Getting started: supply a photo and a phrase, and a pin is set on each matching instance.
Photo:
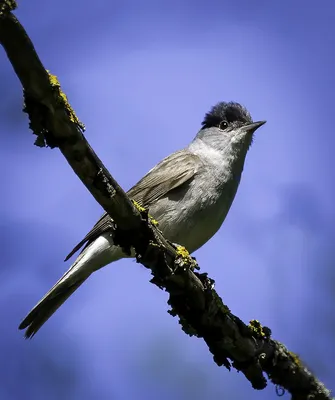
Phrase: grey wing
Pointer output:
(167, 175)
(172, 172)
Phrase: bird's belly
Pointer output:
(192, 221)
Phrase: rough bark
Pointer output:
(192, 297)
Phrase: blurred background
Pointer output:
(141, 76)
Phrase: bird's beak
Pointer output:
(251, 128)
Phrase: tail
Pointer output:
(50, 303)
(95, 256)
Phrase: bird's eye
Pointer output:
(223, 125)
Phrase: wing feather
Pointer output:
(172, 172)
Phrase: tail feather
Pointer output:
(50, 303)
(43, 311)
(96, 255)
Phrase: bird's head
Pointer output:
(228, 127)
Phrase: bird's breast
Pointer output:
(191, 215)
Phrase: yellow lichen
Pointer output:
(184, 258)
(142, 209)
(296, 359)
(153, 221)
(72, 115)
(256, 327)
(182, 252)
(139, 207)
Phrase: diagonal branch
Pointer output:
(201, 312)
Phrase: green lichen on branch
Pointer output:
(64, 101)
(182, 252)
(257, 328)
(39, 114)
(184, 259)
(139, 207)
(7, 6)
(296, 359)
(153, 221)
(144, 210)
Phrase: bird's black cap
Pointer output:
(226, 111)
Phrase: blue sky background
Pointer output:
(141, 76)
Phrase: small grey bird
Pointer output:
(189, 193)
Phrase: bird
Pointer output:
(189, 193)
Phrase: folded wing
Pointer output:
(172, 172)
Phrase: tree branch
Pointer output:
(201, 312)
